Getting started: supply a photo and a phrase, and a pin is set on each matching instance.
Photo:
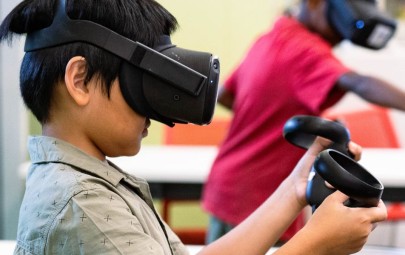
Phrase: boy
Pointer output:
(77, 202)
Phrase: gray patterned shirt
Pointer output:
(77, 204)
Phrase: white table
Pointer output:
(388, 165)
(185, 164)
(189, 166)
(180, 171)
(7, 247)
(367, 250)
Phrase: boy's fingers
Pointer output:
(375, 214)
(319, 145)
(378, 213)
(356, 150)
(329, 185)
(339, 196)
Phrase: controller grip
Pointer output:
(344, 174)
(316, 191)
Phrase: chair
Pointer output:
(371, 127)
(210, 135)
(190, 134)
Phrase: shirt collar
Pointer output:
(45, 149)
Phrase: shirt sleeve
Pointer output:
(315, 73)
(99, 222)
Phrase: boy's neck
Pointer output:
(76, 139)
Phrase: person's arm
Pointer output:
(373, 90)
(333, 229)
(225, 98)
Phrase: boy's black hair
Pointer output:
(139, 20)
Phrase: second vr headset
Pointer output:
(167, 83)
(361, 22)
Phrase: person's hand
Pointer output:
(299, 177)
(337, 229)
(356, 150)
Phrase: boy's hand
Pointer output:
(342, 230)
(299, 176)
(334, 228)
(356, 150)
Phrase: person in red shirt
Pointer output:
(289, 70)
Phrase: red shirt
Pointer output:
(287, 71)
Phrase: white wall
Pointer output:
(13, 132)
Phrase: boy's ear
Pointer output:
(75, 80)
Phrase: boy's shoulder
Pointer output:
(50, 155)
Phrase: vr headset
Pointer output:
(167, 83)
(361, 22)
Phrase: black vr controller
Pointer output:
(334, 165)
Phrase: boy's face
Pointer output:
(83, 115)
(116, 130)
(319, 21)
